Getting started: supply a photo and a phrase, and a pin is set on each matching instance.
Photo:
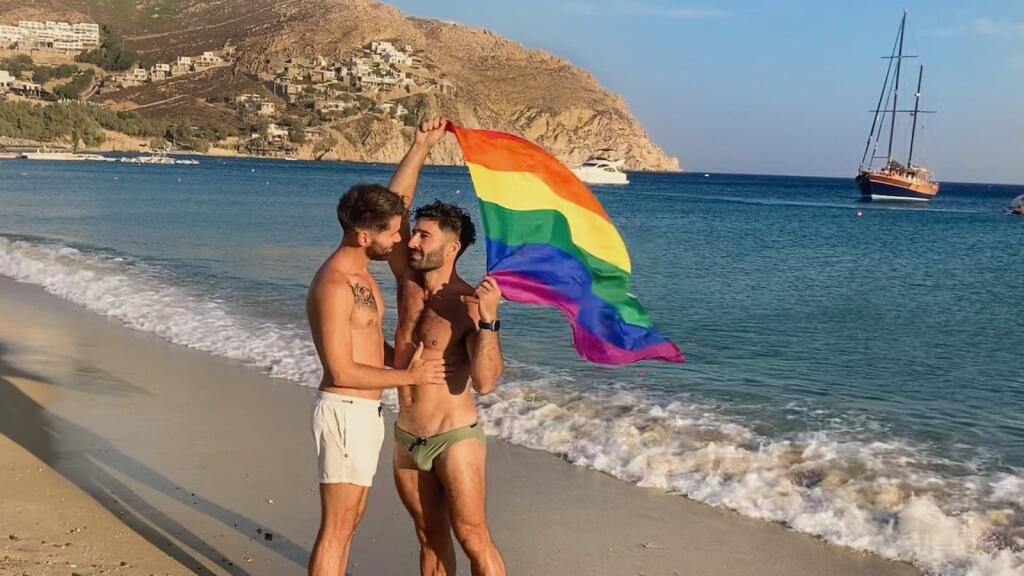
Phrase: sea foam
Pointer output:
(141, 297)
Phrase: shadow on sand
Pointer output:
(86, 459)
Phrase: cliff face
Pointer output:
(494, 83)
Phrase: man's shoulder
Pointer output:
(329, 281)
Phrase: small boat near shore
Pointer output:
(70, 156)
(1017, 206)
(601, 170)
(158, 158)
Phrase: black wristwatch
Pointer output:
(492, 326)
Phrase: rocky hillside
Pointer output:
(498, 84)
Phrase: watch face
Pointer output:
(496, 325)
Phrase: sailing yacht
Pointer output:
(894, 181)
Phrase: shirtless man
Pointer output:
(440, 449)
(345, 308)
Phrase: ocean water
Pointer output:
(855, 371)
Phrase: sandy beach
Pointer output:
(122, 453)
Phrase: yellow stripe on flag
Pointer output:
(524, 191)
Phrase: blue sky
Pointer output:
(784, 87)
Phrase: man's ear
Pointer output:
(454, 248)
(363, 238)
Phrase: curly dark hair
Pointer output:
(369, 207)
(452, 218)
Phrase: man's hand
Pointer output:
(484, 346)
(426, 372)
(430, 132)
(486, 298)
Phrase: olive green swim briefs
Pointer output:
(425, 449)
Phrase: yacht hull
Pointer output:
(882, 188)
(601, 177)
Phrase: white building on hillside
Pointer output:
(139, 75)
(29, 34)
(275, 132)
(393, 109)
(160, 72)
(329, 106)
(27, 88)
(358, 67)
(67, 46)
(208, 59)
(255, 103)
(10, 35)
(88, 33)
(398, 58)
(387, 52)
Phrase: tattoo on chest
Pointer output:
(363, 297)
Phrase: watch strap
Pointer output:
(492, 326)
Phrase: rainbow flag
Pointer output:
(549, 242)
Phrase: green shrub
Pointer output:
(17, 64)
(76, 123)
(43, 74)
(72, 89)
(111, 55)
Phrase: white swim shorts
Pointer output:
(348, 432)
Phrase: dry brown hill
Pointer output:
(499, 84)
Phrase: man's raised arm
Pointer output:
(403, 183)
(334, 300)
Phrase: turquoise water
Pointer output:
(854, 370)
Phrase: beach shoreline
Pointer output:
(195, 459)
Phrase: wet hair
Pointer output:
(369, 207)
(451, 218)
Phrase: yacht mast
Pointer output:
(878, 109)
(896, 89)
(917, 104)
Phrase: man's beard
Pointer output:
(376, 254)
(429, 261)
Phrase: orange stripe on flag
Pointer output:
(515, 154)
